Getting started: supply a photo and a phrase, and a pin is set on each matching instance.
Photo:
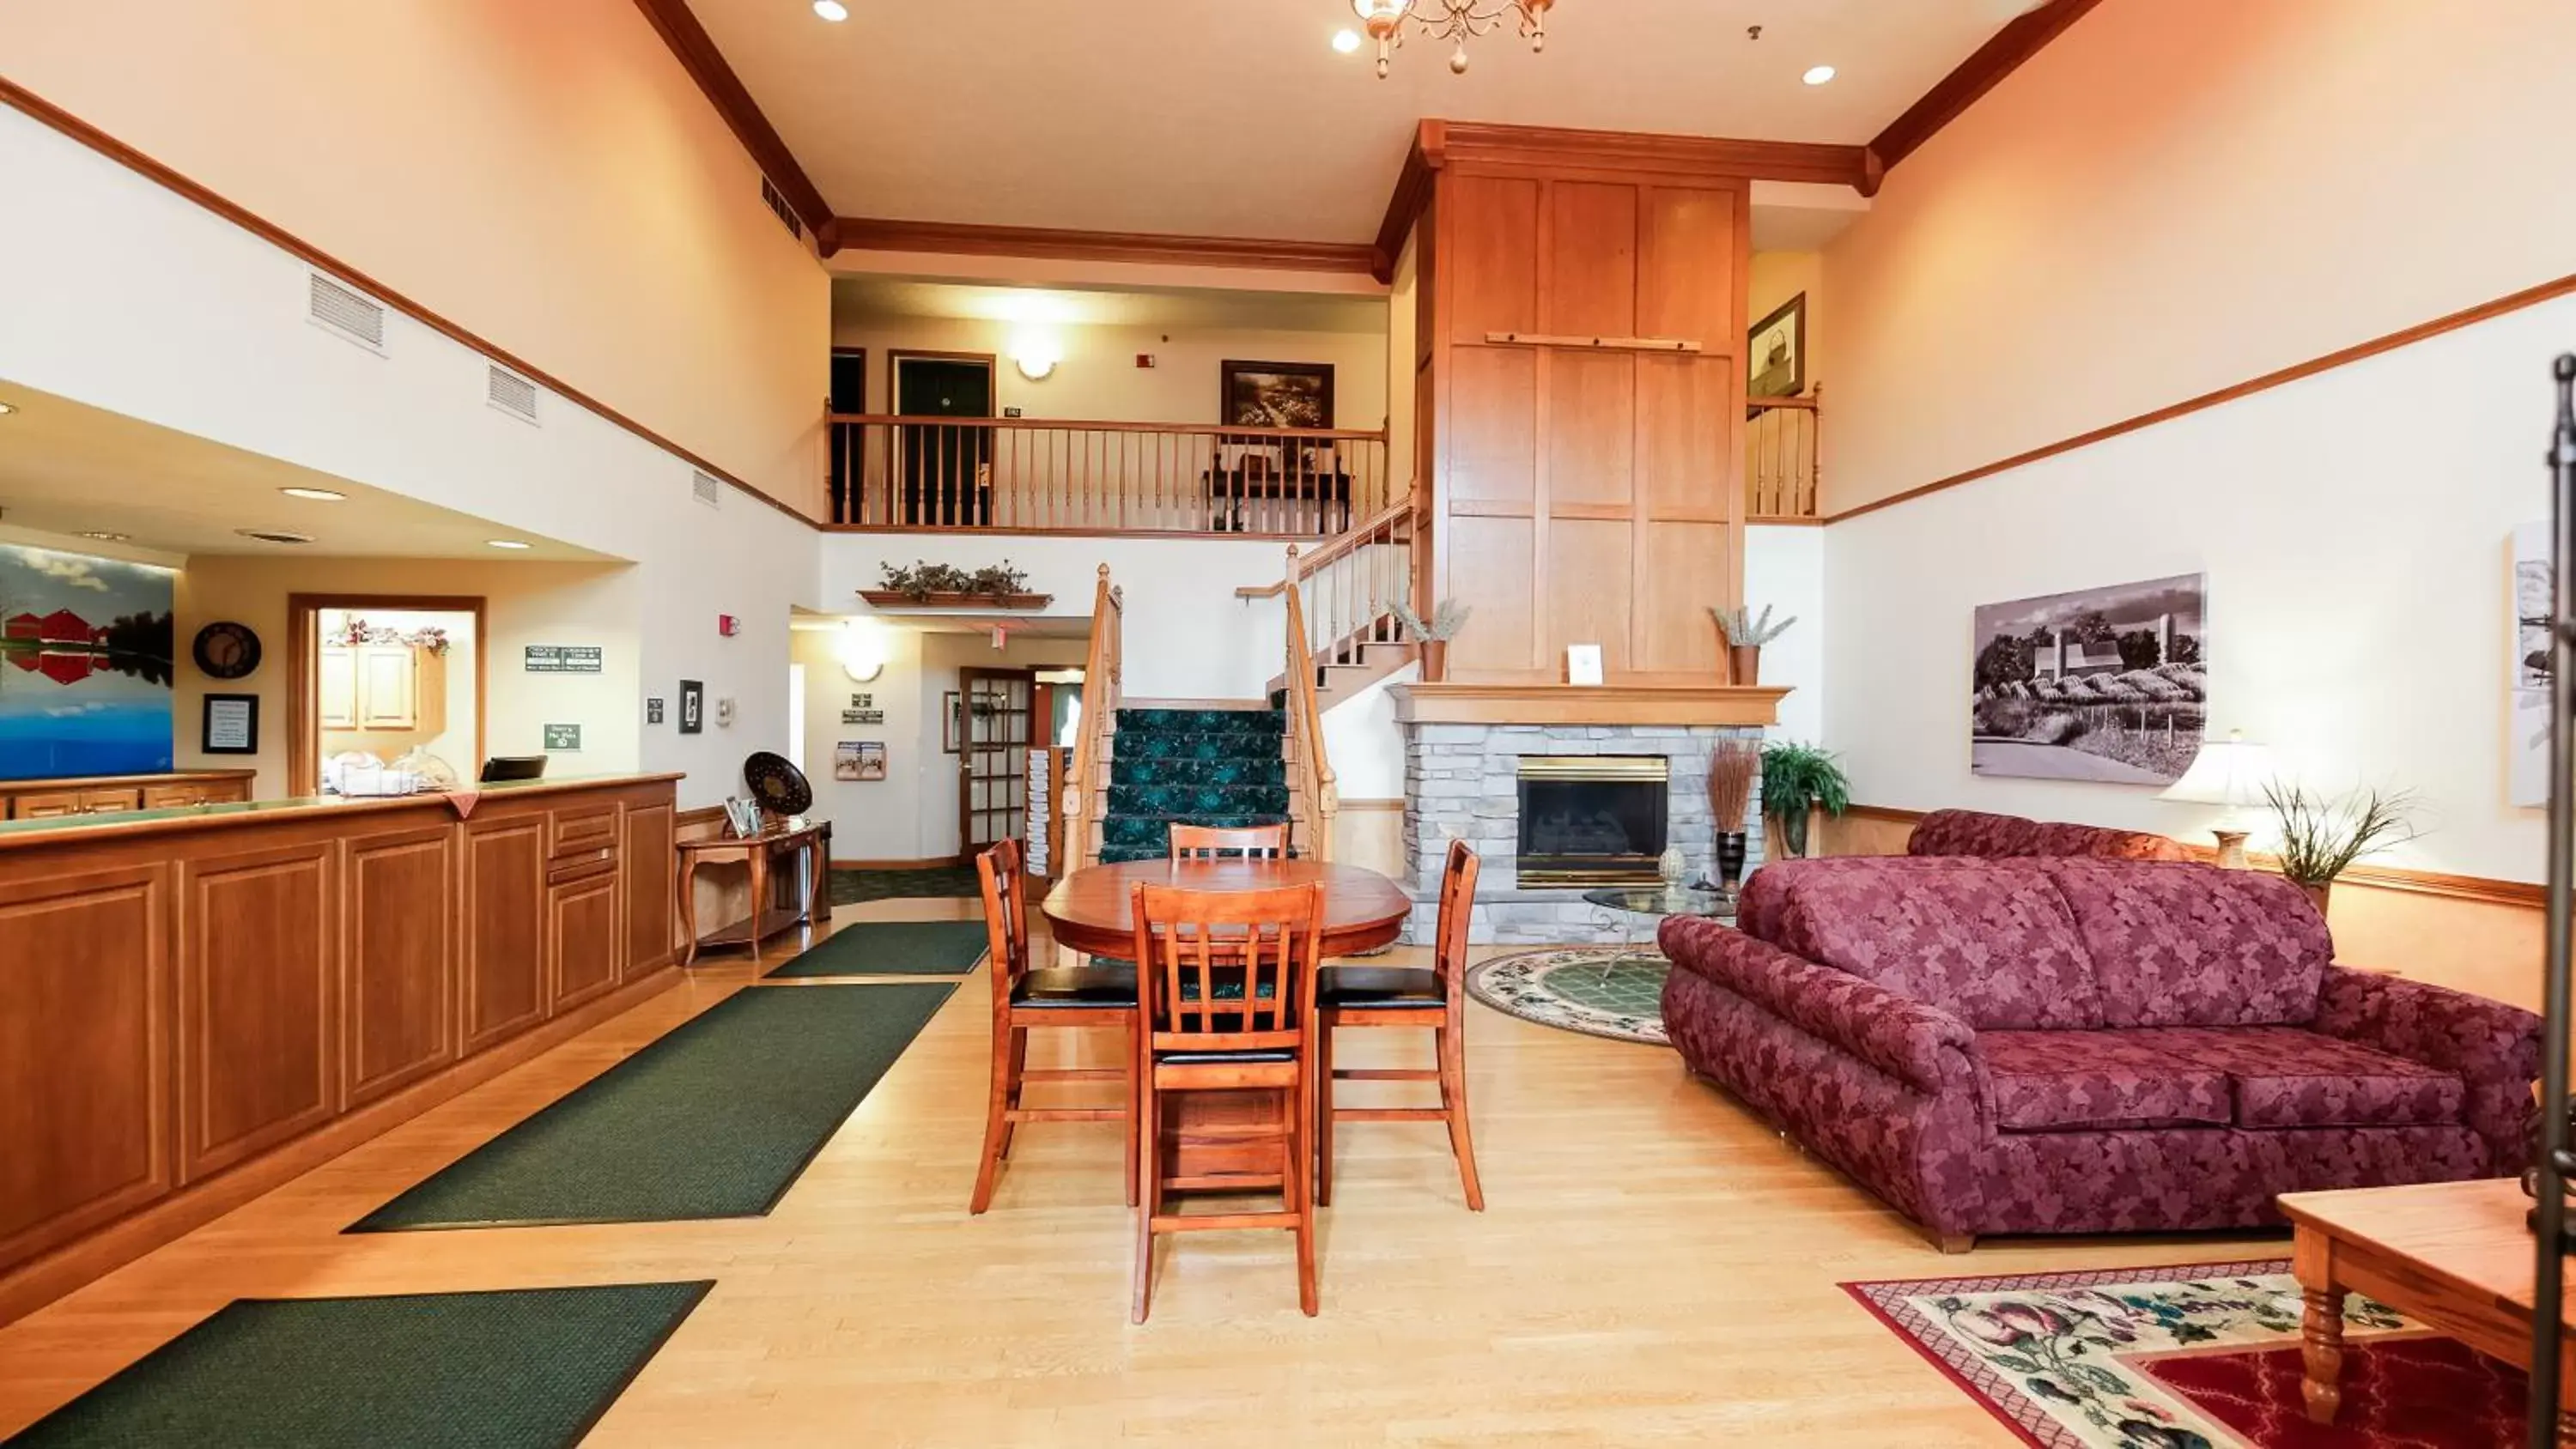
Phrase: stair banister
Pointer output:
(1305, 725)
(1101, 692)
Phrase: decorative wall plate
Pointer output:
(226, 650)
(777, 784)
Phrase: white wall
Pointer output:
(2353, 528)
(156, 309)
(1784, 567)
(1187, 636)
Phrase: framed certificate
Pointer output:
(231, 725)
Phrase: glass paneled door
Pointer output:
(993, 768)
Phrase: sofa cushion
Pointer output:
(2193, 945)
(2097, 1081)
(1989, 941)
(2285, 1076)
(1976, 833)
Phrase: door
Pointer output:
(993, 768)
(942, 468)
(849, 395)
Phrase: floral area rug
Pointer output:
(2204, 1356)
(1596, 990)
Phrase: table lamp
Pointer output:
(2229, 772)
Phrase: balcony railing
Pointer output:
(897, 473)
(1783, 456)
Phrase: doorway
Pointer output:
(1000, 708)
(849, 395)
(942, 472)
(378, 681)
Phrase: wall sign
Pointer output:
(863, 716)
(863, 701)
(653, 710)
(231, 725)
(563, 737)
(693, 707)
(563, 659)
(859, 760)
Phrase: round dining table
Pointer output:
(1093, 909)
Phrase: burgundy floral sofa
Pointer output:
(2076, 1045)
(1974, 832)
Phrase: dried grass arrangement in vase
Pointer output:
(1732, 768)
(1745, 634)
(2321, 835)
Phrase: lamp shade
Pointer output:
(2230, 772)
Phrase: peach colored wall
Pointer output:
(2178, 195)
(543, 174)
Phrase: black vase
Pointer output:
(1730, 859)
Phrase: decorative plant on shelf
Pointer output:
(998, 582)
(1797, 781)
(1745, 636)
(1448, 618)
(2322, 835)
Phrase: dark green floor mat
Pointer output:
(893, 948)
(713, 1120)
(522, 1369)
(850, 887)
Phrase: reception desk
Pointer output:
(197, 1003)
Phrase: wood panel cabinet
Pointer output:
(57, 799)
(399, 973)
(1582, 310)
(378, 688)
(505, 928)
(259, 988)
(583, 942)
(651, 836)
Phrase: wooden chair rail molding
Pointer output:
(2528, 894)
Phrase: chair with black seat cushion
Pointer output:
(1212, 842)
(1405, 996)
(1226, 1001)
(1099, 994)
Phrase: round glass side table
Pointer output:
(1622, 906)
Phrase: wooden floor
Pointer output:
(1655, 1267)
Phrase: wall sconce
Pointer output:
(1036, 357)
(862, 650)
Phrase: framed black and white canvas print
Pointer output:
(1278, 394)
(693, 707)
(2107, 685)
(2535, 586)
(1775, 353)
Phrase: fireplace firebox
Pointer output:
(1593, 820)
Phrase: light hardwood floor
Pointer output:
(1654, 1267)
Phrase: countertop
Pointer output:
(119, 824)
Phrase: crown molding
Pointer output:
(697, 54)
(852, 233)
(1981, 72)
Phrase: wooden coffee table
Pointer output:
(2453, 1255)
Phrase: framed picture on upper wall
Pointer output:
(1775, 352)
(1277, 394)
(952, 722)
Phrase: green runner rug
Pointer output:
(714, 1120)
(524, 1369)
(893, 948)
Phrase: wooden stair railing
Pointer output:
(1349, 588)
(1313, 799)
(1086, 779)
(1784, 457)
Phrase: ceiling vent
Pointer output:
(707, 490)
(274, 535)
(510, 392)
(345, 313)
(777, 203)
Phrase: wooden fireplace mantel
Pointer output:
(1601, 704)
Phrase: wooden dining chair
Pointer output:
(1024, 999)
(1405, 996)
(1208, 842)
(1226, 994)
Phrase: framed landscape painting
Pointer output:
(1277, 394)
(2108, 685)
(85, 666)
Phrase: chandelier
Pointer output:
(1451, 20)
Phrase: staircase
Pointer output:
(1352, 663)
(1223, 767)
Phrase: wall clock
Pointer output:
(226, 650)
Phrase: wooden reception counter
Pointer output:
(198, 1003)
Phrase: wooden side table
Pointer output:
(2452, 1255)
(813, 841)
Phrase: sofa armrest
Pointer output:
(2495, 1048)
(1897, 1034)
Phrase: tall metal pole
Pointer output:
(2550, 1213)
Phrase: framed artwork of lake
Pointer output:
(85, 666)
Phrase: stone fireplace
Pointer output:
(1515, 793)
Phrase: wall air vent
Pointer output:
(343, 312)
(707, 490)
(274, 535)
(777, 203)
(510, 392)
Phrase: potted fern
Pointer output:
(2320, 835)
(1797, 781)
(1448, 618)
(1745, 636)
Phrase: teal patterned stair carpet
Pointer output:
(1195, 767)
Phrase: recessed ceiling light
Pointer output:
(1346, 40)
(1818, 74)
(274, 535)
(508, 543)
(832, 10)
(318, 495)
(104, 536)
